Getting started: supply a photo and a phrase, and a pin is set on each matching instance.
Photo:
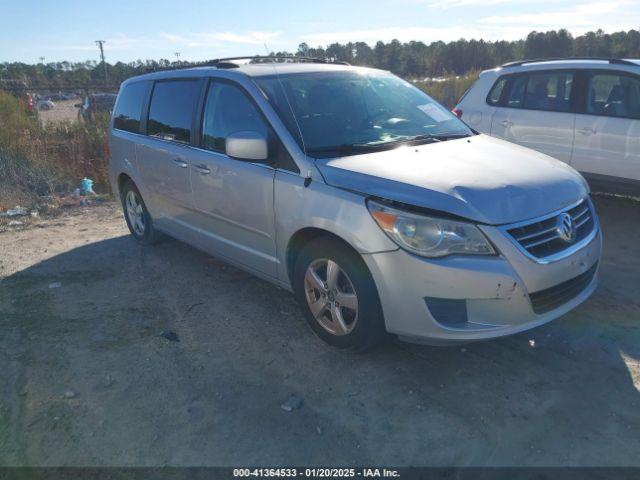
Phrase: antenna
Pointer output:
(307, 178)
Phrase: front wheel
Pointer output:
(338, 295)
(137, 216)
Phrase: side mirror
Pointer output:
(247, 145)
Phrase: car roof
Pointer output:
(554, 61)
(536, 64)
(262, 69)
(254, 70)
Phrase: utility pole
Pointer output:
(100, 44)
(41, 60)
(177, 54)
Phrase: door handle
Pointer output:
(180, 163)
(506, 123)
(587, 131)
(202, 169)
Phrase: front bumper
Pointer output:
(495, 290)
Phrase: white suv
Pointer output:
(585, 112)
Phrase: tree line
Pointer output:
(416, 60)
(413, 60)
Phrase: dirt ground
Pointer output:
(64, 111)
(87, 380)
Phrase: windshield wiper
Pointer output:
(450, 136)
(418, 138)
(426, 137)
(344, 148)
(369, 147)
(347, 148)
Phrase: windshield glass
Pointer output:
(354, 111)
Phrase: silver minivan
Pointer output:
(379, 209)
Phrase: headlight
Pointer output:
(429, 236)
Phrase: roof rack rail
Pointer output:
(229, 62)
(616, 61)
(168, 68)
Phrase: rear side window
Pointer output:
(549, 91)
(515, 99)
(171, 109)
(614, 95)
(496, 92)
(128, 110)
(228, 110)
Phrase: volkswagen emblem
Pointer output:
(565, 228)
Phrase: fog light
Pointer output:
(448, 311)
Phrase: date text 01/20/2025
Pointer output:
(316, 472)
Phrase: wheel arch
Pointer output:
(374, 331)
(301, 238)
(121, 180)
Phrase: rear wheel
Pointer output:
(338, 295)
(137, 216)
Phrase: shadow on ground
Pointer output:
(88, 381)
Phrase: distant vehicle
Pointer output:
(46, 105)
(583, 111)
(374, 204)
(96, 103)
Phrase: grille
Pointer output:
(540, 238)
(550, 298)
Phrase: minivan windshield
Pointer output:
(349, 112)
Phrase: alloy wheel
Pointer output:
(135, 212)
(331, 297)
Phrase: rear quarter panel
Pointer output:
(476, 112)
(122, 158)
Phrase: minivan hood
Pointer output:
(480, 178)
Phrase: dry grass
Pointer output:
(37, 160)
(448, 91)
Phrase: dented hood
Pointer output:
(480, 178)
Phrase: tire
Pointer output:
(142, 230)
(338, 326)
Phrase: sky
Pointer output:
(199, 30)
